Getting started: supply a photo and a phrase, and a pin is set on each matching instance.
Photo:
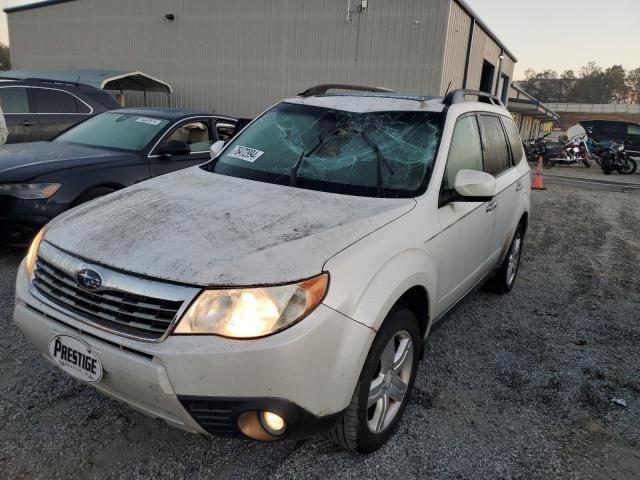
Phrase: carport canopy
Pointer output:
(532, 108)
(104, 79)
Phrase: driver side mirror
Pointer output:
(175, 147)
(475, 186)
(216, 148)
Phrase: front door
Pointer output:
(463, 244)
(199, 134)
(21, 122)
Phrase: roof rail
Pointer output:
(458, 96)
(324, 88)
(40, 80)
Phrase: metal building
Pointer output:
(242, 56)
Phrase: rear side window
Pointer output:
(104, 99)
(514, 139)
(465, 152)
(14, 100)
(54, 101)
(633, 130)
(496, 151)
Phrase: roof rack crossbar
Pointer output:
(458, 96)
(324, 88)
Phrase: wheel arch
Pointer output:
(407, 277)
(113, 185)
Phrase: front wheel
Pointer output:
(384, 386)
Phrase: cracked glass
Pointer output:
(386, 154)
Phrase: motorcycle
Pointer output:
(537, 148)
(574, 151)
(613, 157)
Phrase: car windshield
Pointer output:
(386, 154)
(121, 131)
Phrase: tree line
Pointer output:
(593, 84)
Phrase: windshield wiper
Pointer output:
(293, 182)
(380, 159)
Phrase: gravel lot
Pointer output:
(511, 387)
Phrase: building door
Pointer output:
(486, 80)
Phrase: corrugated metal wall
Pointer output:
(241, 56)
(455, 53)
(484, 48)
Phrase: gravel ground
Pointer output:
(514, 387)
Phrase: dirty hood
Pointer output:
(201, 228)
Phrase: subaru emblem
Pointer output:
(88, 279)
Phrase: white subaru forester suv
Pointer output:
(286, 287)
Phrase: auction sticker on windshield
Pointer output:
(245, 153)
(149, 121)
(76, 358)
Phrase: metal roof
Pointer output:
(529, 105)
(31, 6)
(103, 79)
(465, 6)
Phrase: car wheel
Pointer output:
(384, 386)
(93, 194)
(503, 281)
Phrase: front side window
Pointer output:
(386, 154)
(194, 134)
(14, 100)
(53, 101)
(496, 151)
(465, 151)
(120, 131)
(514, 139)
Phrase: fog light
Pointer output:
(272, 423)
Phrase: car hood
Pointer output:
(20, 162)
(200, 228)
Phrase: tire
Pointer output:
(93, 194)
(606, 165)
(354, 431)
(587, 162)
(504, 280)
(629, 168)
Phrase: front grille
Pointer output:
(122, 312)
(215, 417)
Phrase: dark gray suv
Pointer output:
(36, 109)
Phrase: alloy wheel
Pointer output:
(391, 381)
(514, 258)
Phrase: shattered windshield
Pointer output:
(386, 154)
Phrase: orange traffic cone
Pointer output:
(538, 181)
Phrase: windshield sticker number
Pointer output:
(245, 153)
(148, 121)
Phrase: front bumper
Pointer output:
(21, 219)
(306, 373)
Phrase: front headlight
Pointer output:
(30, 191)
(252, 312)
(33, 252)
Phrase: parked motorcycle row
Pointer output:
(578, 147)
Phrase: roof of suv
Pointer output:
(372, 102)
(377, 99)
(36, 82)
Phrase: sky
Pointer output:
(555, 34)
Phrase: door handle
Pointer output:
(518, 186)
(492, 206)
(27, 123)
